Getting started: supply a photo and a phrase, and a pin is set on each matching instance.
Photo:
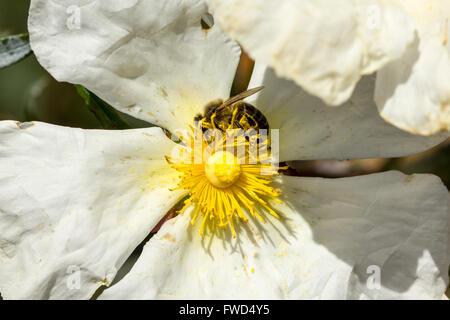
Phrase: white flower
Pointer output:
(327, 45)
(75, 203)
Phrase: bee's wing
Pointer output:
(240, 96)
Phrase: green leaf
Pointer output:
(105, 114)
(14, 49)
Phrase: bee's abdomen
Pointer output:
(261, 120)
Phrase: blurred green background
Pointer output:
(28, 92)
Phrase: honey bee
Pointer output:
(233, 114)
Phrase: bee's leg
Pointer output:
(212, 120)
(205, 124)
(243, 122)
(233, 119)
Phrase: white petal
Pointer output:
(73, 199)
(151, 59)
(332, 235)
(413, 92)
(309, 130)
(324, 45)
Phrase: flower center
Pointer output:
(222, 169)
(224, 188)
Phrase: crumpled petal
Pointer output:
(413, 92)
(148, 58)
(309, 130)
(368, 237)
(323, 45)
(75, 203)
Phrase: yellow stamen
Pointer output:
(221, 188)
